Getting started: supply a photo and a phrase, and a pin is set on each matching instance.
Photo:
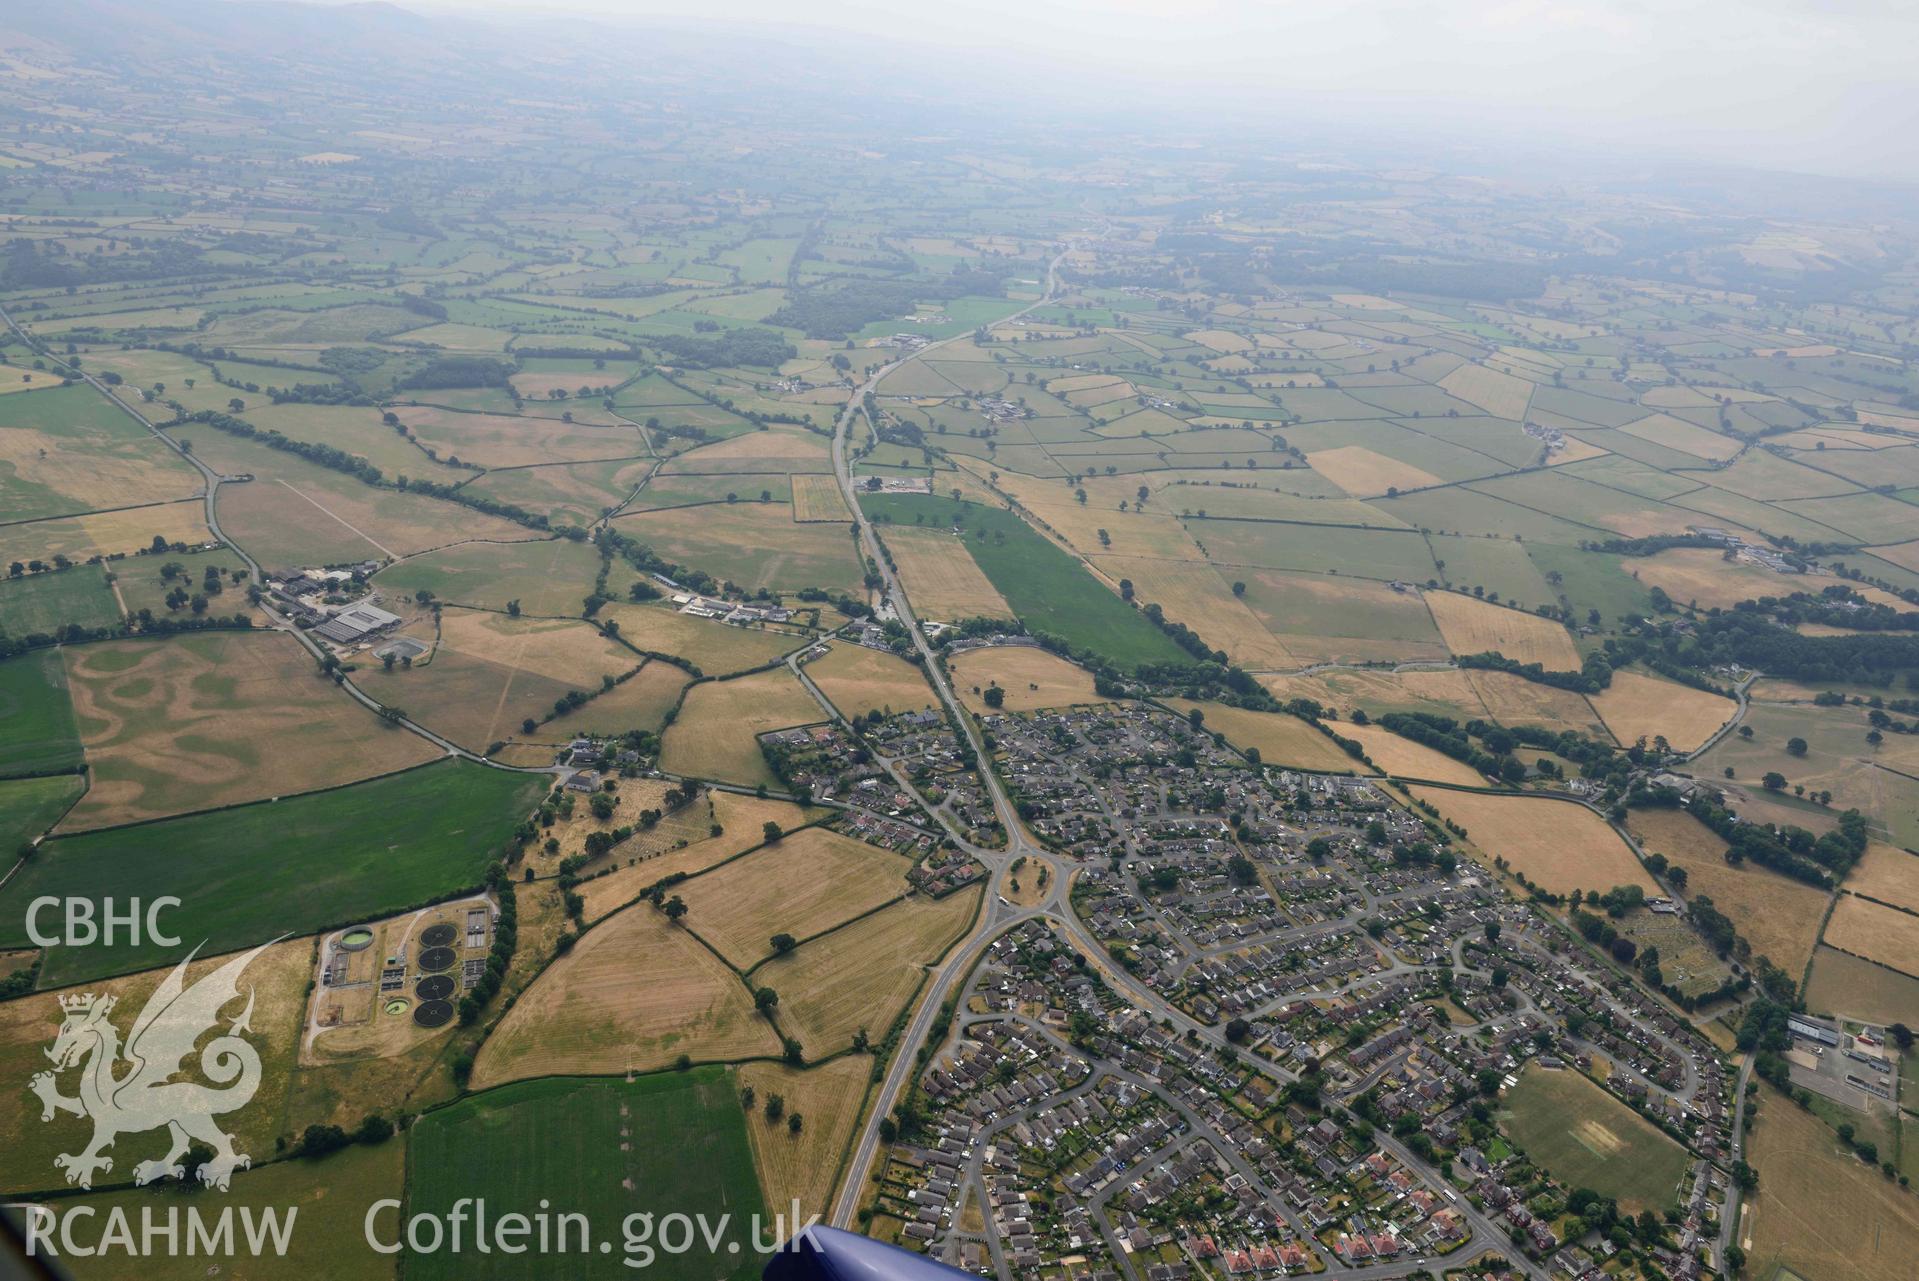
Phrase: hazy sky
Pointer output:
(1828, 86)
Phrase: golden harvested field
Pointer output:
(809, 881)
(1779, 916)
(68, 450)
(490, 672)
(802, 1167)
(1473, 626)
(1195, 592)
(1842, 984)
(501, 440)
(1875, 932)
(1888, 874)
(683, 844)
(792, 451)
(1560, 846)
(1819, 1211)
(1403, 758)
(858, 680)
(1514, 700)
(1279, 738)
(1155, 534)
(716, 649)
(716, 732)
(862, 976)
(278, 976)
(1031, 677)
(1650, 706)
(200, 721)
(1677, 433)
(1700, 575)
(1366, 473)
(1904, 555)
(941, 576)
(641, 701)
(105, 533)
(819, 498)
(635, 993)
(1501, 395)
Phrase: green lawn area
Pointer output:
(1047, 587)
(672, 1143)
(1587, 1139)
(43, 603)
(295, 866)
(37, 730)
(29, 806)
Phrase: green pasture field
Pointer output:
(1497, 564)
(1462, 509)
(565, 493)
(551, 577)
(1592, 580)
(29, 806)
(1588, 1139)
(1363, 553)
(255, 872)
(1837, 759)
(672, 1143)
(38, 734)
(42, 603)
(1047, 588)
(137, 579)
(332, 1195)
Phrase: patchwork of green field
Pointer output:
(68, 450)
(43, 603)
(671, 1144)
(38, 734)
(1046, 587)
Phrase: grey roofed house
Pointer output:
(354, 622)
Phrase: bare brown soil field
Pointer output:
(1888, 874)
(941, 576)
(1560, 846)
(635, 993)
(1875, 932)
(1501, 395)
(1197, 593)
(200, 721)
(861, 976)
(716, 733)
(1779, 916)
(858, 680)
(490, 672)
(1403, 758)
(79, 538)
(1031, 677)
(28, 1025)
(1472, 626)
(500, 440)
(1366, 473)
(1700, 575)
(1819, 1211)
(1649, 706)
(1842, 984)
(801, 884)
(1280, 739)
(801, 1167)
(818, 498)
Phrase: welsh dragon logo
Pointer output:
(145, 1096)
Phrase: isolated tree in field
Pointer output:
(1239, 589)
(513, 608)
(1796, 746)
(1774, 781)
(771, 831)
(995, 697)
(388, 659)
(746, 1097)
(775, 1106)
(793, 1123)
(236, 404)
(766, 1000)
(783, 943)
